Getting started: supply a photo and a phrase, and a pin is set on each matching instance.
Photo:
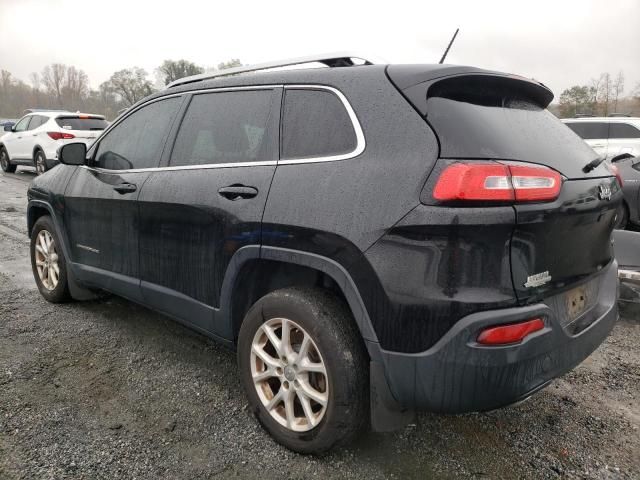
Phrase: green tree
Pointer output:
(131, 85)
(577, 99)
(172, 70)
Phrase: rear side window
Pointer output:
(81, 123)
(623, 130)
(224, 127)
(315, 124)
(138, 140)
(590, 130)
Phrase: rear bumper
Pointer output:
(458, 375)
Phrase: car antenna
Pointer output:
(444, 55)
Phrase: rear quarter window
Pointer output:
(590, 130)
(78, 123)
(623, 130)
(315, 124)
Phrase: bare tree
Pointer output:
(34, 78)
(618, 88)
(53, 80)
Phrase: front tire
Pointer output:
(40, 162)
(48, 262)
(5, 163)
(305, 369)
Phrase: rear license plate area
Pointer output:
(576, 302)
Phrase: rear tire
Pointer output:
(40, 162)
(323, 338)
(48, 262)
(5, 163)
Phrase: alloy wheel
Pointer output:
(40, 164)
(47, 260)
(289, 374)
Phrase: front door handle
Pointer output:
(125, 188)
(235, 192)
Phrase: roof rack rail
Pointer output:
(339, 59)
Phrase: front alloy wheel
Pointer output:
(47, 260)
(289, 374)
(5, 164)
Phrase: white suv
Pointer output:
(608, 136)
(34, 140)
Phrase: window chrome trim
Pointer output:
(360, 140)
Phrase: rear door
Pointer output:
(207, 202)
(596, 134)
(101, 212)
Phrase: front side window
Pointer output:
(224, 127)
(138, 140)
(623, 130)
(23, 124)
(590, 130)
(315, 124)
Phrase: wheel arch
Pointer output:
(273, 268)
(37, 148)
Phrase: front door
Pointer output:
(208, 202)
(101, 214)
(17, 141)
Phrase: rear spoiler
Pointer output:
(418, 82)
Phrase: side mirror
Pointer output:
(8, 127)
(73, 153)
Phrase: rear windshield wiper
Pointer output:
(593, 164)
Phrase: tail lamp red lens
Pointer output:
(60, 135)
(495, 182)
(616, 171)
(510, 334)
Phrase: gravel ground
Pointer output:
(108, 389)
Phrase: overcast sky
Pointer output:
(559, 42)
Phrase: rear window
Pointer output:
(623, 130)
(500, 118)
(79, 123)
(590, 130)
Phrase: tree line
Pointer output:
(60, 86)
(602, 96)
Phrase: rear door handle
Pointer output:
(236, 192)
(125, 188)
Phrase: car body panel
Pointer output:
(414, 274)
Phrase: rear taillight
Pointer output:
(496, 182)
(60, 135)
(509, 334)
(616, 171)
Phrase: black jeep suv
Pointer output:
(372, 239)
